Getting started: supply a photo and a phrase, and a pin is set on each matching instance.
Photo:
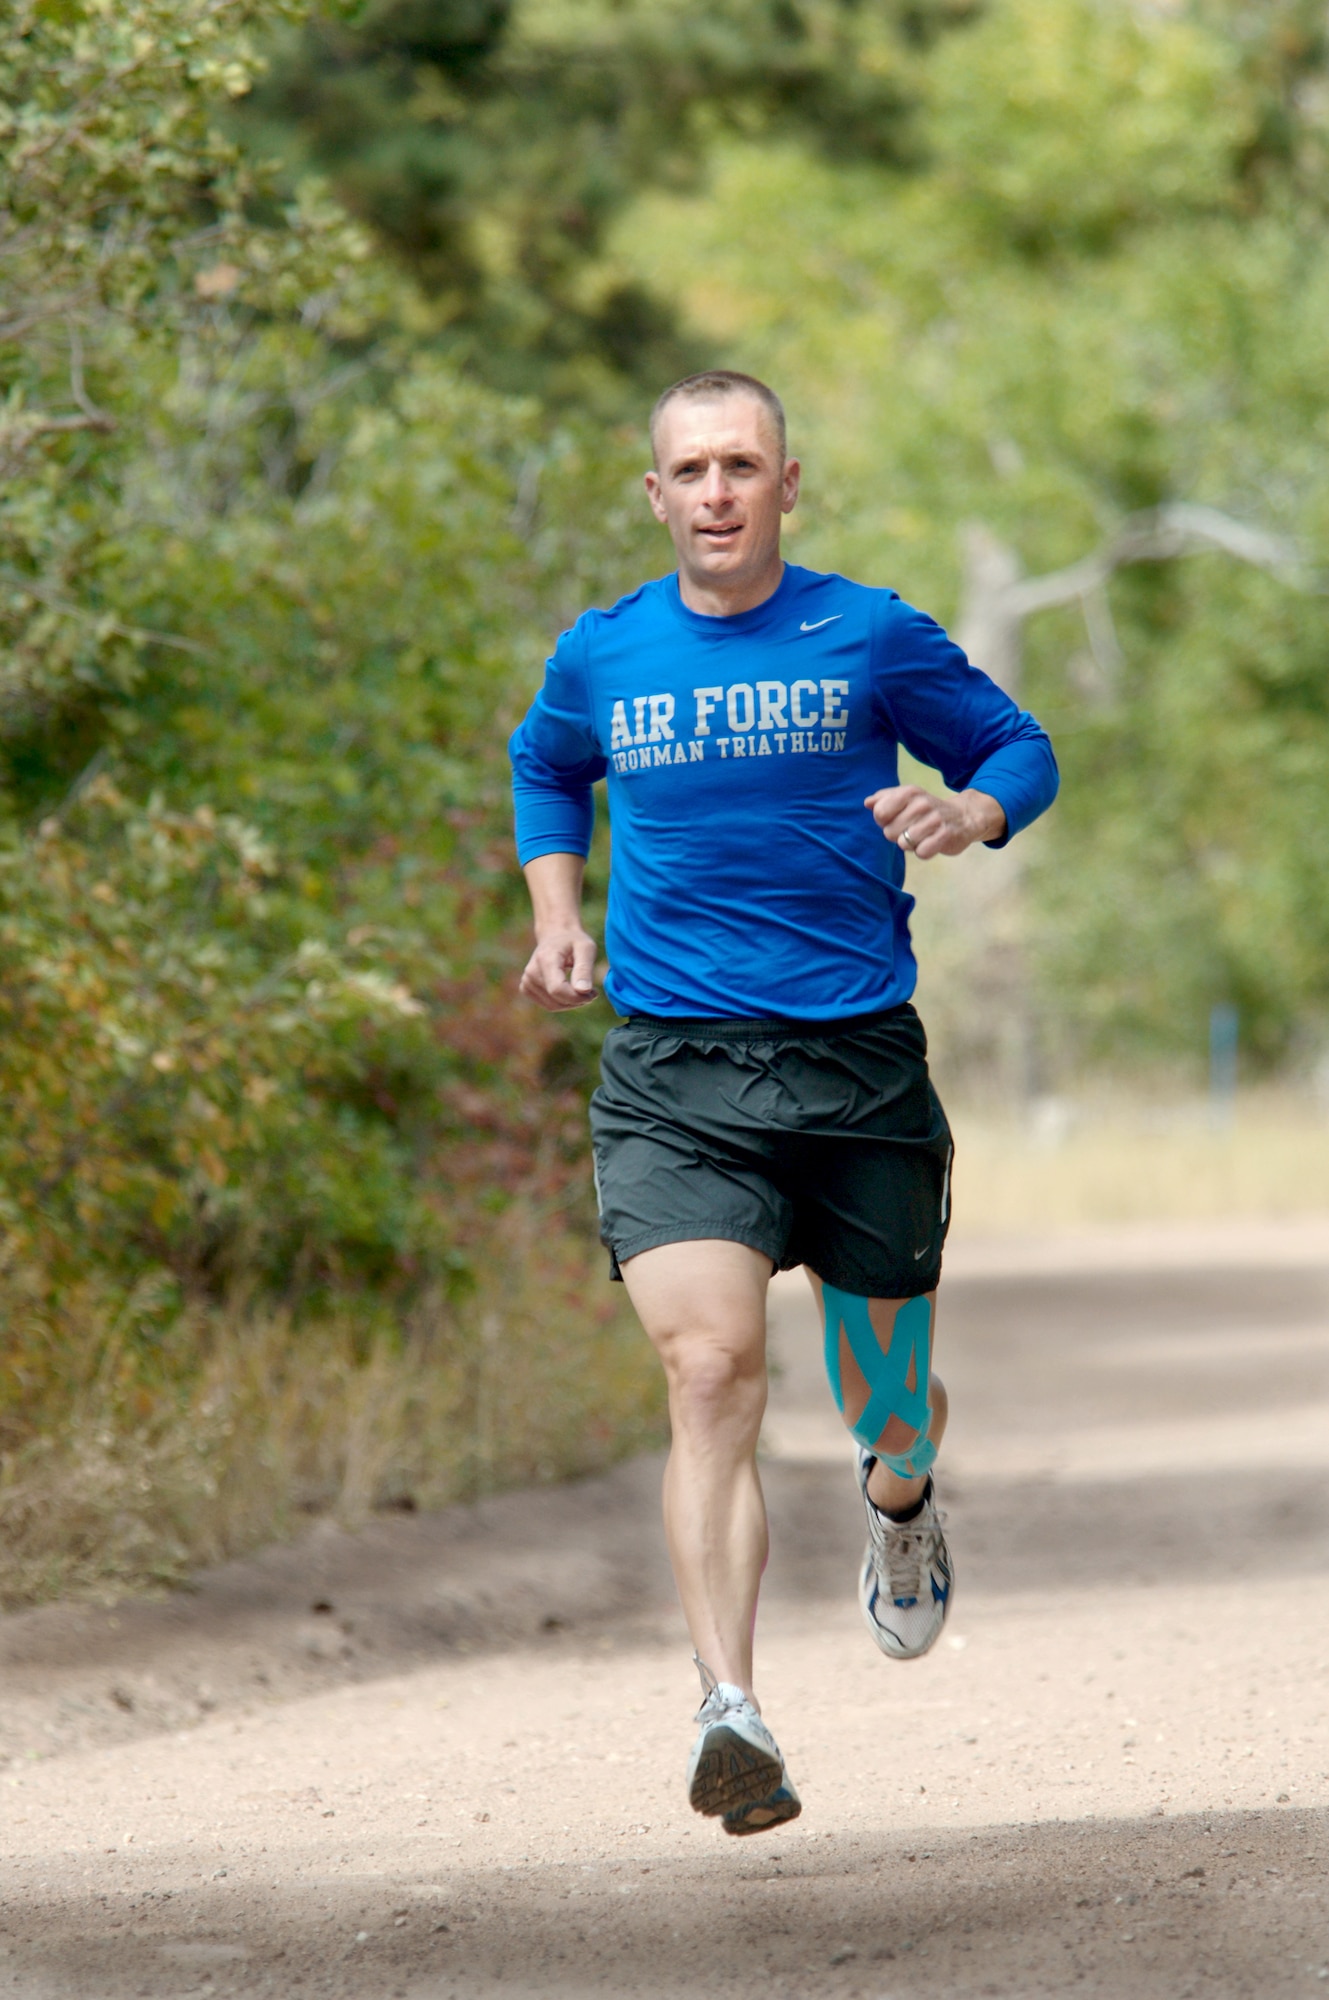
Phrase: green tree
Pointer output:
(272, 586)
(491, 147)
(122, 214)
(267, 613)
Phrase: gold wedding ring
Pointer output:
(905, 840)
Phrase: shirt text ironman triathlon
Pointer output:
(772, 718)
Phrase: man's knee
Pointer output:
(710, 1372)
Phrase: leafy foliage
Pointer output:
(122, 211)
(492, 145)
(272, 587)
(179, 1094)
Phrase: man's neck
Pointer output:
(721, 599)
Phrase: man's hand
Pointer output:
(925, 825)
(561, 970)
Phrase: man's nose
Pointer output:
(715, 486)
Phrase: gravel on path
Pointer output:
(1110, 1778)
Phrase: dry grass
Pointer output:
(1067, 1165)
(126, 1470)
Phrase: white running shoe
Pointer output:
(763, 1815)
(905, 1585)
(735, 1761)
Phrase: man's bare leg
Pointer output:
(906, 1578)
(703, 1306)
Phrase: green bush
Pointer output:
(293, 1191)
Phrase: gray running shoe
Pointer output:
(735, 1761)
(905, 1583)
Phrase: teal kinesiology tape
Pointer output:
(885, 1374)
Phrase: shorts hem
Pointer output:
(913, 1284)
(655, 1239)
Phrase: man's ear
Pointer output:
(656, 497)
(789, 481)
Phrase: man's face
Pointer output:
(720, 487)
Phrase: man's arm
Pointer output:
(561, 970)
(990, 753)
(555, 762)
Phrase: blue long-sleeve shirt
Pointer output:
(748, 880)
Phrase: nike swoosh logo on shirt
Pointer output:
(805, 627)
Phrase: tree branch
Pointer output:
(25, 430)
(1161, 535)
(139, 635)
(998, 599)
(98, 419)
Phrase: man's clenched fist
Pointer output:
(925, 825)
(561, 970)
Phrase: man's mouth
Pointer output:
(722, 531)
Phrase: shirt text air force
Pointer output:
(748, 881)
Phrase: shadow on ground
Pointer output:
(1034, 1535)
(1212, 1905)
(1039, 1350)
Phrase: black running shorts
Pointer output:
(815, 1143)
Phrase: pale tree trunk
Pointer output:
(990, 626)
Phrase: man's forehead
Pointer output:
(714, 424)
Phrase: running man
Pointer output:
(766, 1102)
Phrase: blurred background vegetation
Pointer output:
(325, 343)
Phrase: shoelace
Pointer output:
(713, 1703)
(905, 1550)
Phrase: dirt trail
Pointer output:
(445, 1757)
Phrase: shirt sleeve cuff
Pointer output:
(997, 791)
(537, 844)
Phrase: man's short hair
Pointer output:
(721, 382)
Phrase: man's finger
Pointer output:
(563, 975)
(535, 983)
(919, 832)
(888, 804)
(532, 986)
(558, 969)
(543, 980)
(583, 967)
(935, 833)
